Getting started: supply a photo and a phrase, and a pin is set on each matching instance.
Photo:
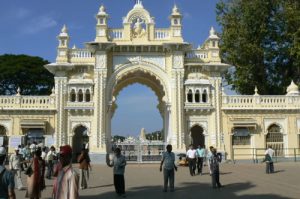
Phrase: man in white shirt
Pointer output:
(270, 164)
(191, 156)
(49, 160)
(15, 167)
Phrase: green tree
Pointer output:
(26, 72)
(262, 40)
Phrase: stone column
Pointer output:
(61, 116)
(99, 127)
(178, 97)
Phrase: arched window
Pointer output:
(87, 95)
(190, 96)
(72, 96)
(241, 136)
(274, 139)
(175, 21)
(197, 96)
(204, 96)
(80, 96)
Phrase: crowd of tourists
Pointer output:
(33, 159)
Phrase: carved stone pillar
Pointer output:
(99, 137)
(61, 117)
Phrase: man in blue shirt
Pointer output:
(7, 183)
(200, 156)
(168, 160)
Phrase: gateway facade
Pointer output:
(187, 82)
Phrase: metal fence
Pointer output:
(142, 152)
(258, 154)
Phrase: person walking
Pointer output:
(191, 156)
(50, 162)
(66, 184)
(214, 167)
(36, 181)
(7, 182)
(118, 163)
(168, 161)
(200, 157)
(209, 155)
(84, 166)
(15, 162)
(269, 160)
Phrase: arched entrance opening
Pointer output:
(3, 137)
(144, 76)
(197, 136)
(274, 139)
(147, 75)
(80, 140)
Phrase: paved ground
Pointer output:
(241, 181)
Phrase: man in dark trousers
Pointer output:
(168, 160)
(119, 164)
(7, 183)
(214, 166)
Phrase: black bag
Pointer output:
(28, 171)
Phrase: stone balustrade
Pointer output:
(115, 34)
(198, 106)
(260, 102)
(162, 34)
(197, 55)
(81, 56)
(80, 105)
(27, 102)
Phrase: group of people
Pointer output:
(67, 182)
(59, 165)
(196, 159)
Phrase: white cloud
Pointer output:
(187, 15)
(38, 24)
(21, 13)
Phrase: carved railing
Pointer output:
(116, 34)
(27, 102)
(198, 106)
(162, 34)
(81, 56)
(194, 54)
(80, 105)
(260, 102)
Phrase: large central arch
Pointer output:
(144, 73)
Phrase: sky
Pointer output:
(31, 27)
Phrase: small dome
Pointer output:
(292, 89)
(212, 34)
(175, 10)
(64, 31)
(102, 10)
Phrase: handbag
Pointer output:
(28, 171)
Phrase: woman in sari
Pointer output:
(36, 181)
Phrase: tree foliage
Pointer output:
(26, 72)
(262, 40)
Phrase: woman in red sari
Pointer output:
(36, 181)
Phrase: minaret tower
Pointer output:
(213, 46)
(176, 24)
(62, 50)
(101, 28)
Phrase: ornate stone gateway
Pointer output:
(186, 81)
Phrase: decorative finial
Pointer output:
(74, 46)
(102, 10)
(212, 31)
(175, 10)
(138, 4)
(64, 29)
(256, 91)
(18, 91)
(53, 91)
